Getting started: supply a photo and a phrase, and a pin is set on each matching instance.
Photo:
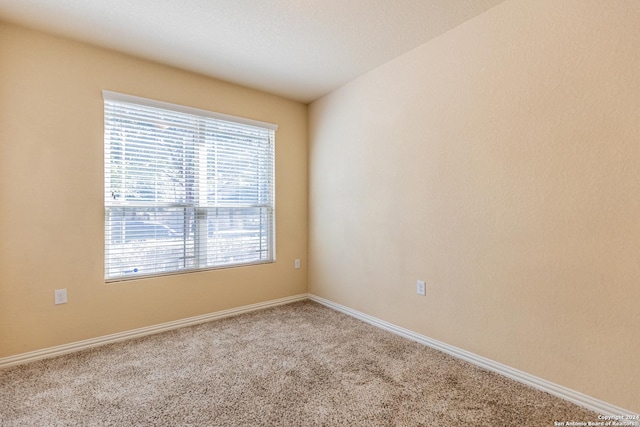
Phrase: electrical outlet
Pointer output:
(60, 296)
(421, 287)
(296, 263)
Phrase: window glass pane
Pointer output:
(149, 240)
(152, 158)
(238, 235)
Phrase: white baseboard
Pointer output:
(573, 396)
(141, 332)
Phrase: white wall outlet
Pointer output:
(296, 263)
(421, 287)
(60, 296)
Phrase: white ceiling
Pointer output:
(300, 49)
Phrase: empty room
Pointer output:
(292, 212)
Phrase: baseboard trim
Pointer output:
(573, 396)
(141, 332)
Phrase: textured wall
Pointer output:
(499, 162)
(51, 195)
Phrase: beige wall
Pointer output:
(499, 162)
(51, 195)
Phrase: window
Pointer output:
(185, 189)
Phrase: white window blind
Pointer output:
(185, 189)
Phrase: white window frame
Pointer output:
(200, 237)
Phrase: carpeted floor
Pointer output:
(300, 364)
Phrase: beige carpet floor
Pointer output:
(300, 364)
